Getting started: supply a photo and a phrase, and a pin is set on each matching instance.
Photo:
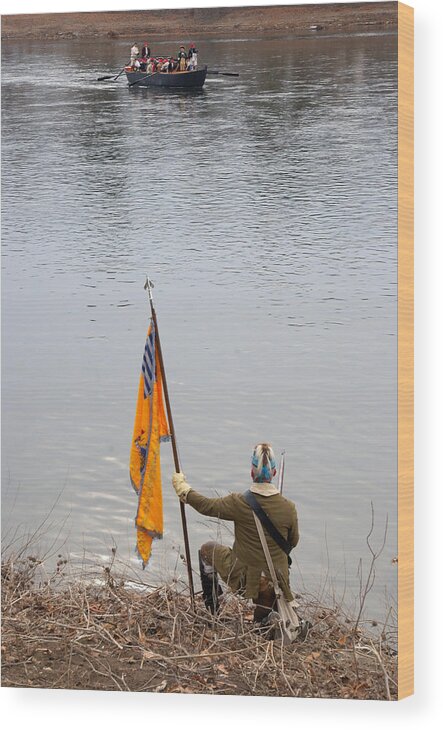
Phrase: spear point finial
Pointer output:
(149, 286)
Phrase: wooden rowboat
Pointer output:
(165, 79)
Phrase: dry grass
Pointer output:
(105, 633)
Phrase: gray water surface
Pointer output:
(264, 210)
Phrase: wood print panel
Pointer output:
(405, 350)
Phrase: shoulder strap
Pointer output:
(264, 545)
(289, 621)
(266, 522)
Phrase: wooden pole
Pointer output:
(148, 286)
(281, 473)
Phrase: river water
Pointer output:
(264, 210)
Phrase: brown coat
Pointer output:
(247, 547)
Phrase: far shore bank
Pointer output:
(199, 23)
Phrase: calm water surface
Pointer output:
(264, 209)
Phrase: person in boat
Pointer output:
(192, 57)
(134, 53)
(182, 59)
(172, 64)
(243, 567)
(146, 51)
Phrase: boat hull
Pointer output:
(174, 80)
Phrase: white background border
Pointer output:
(35, 709)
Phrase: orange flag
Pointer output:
(150, 428)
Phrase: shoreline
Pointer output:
(106, 630)
(204, 23)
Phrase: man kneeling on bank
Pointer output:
(244, 568)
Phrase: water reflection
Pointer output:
(264, 208)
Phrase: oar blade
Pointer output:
(113, 76)
(222, 73)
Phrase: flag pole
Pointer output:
(281, 473)
(148, 286)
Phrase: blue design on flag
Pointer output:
(148, 364)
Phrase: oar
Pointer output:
(114, 78)
(222, 73)
(142, 79)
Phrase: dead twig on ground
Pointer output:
(371, 572)
(99, 634)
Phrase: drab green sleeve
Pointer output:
(293, 534)
(222, 507)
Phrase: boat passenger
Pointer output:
(134, 53)
(243, 567)
(192, 57)
(172, 64)
(146, 51)
(150, 66)
(182, 59)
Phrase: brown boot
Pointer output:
(265, 600)
(210, 587)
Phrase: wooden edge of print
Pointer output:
(405, 350)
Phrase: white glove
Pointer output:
(181, 486)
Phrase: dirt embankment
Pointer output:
(98, 632)
(198, 23)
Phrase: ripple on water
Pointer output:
(264, 209)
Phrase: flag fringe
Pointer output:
(133, 485)
(152, 533)
(155, 536)
(143, 562)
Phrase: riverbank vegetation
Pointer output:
(200, 23)
(102, 629)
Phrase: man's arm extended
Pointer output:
(224, 508)
(221, 507)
